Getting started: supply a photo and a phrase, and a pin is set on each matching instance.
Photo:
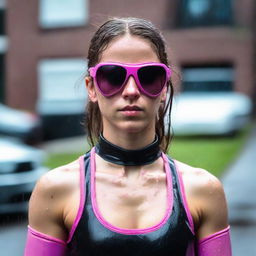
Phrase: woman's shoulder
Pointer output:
(56, 185)
(50, 196)
(205, 195)
(62, 177)
(198, 181)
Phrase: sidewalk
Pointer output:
(240, 188)
(66, 145)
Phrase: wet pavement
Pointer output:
(13, 232)
(66, 145)
(239, 185)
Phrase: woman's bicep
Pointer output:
(45, 208)
(214, 215)
(213, 231)
(45, 236)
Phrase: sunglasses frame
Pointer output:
(131, 70)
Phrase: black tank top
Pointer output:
(172, 238)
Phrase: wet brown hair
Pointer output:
(111, 29)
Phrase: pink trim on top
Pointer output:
(82, 198)
(44, 236)
(215, 235)
(184, 199)
(132, 231)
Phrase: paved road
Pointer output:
(12, 235)
(239, 184)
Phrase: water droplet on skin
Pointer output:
(143, 172)
(156, 193)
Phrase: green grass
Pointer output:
(55, 160)
(212, 153)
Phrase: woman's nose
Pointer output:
(131, 89)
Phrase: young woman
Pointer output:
(126, 196)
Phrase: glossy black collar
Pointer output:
(121, 156)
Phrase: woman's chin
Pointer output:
(136, 127)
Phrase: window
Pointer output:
(3, 48)
(207, 79)
(193, 13)
(63, 13)
(2, 16)
(59, 89)
(2, 77)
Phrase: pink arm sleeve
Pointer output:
(43, 245)
(217, 244)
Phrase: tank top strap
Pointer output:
(84, 161)
(178, 187)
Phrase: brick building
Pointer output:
(48, 40)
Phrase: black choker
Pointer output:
(121, 156)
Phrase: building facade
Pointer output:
(210, 42)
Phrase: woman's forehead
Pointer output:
(129, 49)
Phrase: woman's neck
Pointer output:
(113, 153)
(130, 141)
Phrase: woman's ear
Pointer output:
(164, 94)
(91, 89)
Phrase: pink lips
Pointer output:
(131, 110)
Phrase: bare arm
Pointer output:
(211, 207)
(50, 211)
(213, 230)
(207, 204)
(46, 205)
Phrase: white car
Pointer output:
(20, 124)
(213, 113)
(20, 168)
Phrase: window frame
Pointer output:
(66, 98)
(215, 16)
(47, 20)
(205, 77)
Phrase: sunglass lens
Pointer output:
(152, 79)
(110, 78)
